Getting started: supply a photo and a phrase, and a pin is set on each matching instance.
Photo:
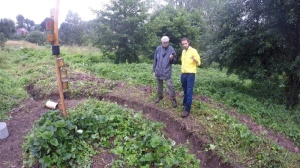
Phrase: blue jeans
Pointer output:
(187, 83)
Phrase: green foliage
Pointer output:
(121, 29)
(10, 93)
(131, 73)
(43, 24)
(55, 141)
(7, 27)
(212, 83)
(110, 55)
(20, 21)
(259, 40)
(176, 23)
(87, 59)
(236, 144)
(3, 40)
(36, 37)
(23, 22)
(188, 4)
(18, 69)
(230, 140)
(29, 24)
(207, 7)
(244, 95)
(89, 34)
(247, 97)
(71, 30)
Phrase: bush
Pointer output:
(36, 37)
(3, 40)
(110, 55)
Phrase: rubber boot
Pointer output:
(185, 114)
(174, 102)
(158, 99)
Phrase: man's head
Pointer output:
(185, 43)
(165, 41)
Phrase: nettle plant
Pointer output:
(59, 142)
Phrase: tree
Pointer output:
(43, 24)
(29, 24)
(260, 40)
(189, 5)
(20, 21)
(36, 37)
(121, 28)
(154, 5)
(7, 27)
(38, 27)
(177, 23)
(205, 10)
(89, 35)
(26, 23)
(70, 31)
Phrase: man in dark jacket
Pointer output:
(164, 56)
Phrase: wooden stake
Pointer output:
(56, 23)
(57, 61)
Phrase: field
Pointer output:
(113, 121)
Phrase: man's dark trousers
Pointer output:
(187, 83)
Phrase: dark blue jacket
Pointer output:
(162, 66)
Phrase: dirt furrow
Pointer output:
(179, 130)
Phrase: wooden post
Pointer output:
(55, 51)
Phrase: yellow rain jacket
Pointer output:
(188, 65)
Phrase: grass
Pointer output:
(17, 69)
(235, 143)
(11, 44)
(234, 94)
(230, 139)
(213, 83)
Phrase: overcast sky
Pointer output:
(38, 10)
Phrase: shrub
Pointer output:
(3, 40)
(36, 37)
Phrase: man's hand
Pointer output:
(154, 74)
(193, 58)
(171, 57)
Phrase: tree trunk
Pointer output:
(293, 91)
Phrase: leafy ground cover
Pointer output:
(222, 133)
(210, 82)
(219, 131)
(136, 142)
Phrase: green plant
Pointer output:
(55, 141)
(3, 39)
(36, 37)
(236, 143)
(230, 90)
(19, 68)
(229, 138)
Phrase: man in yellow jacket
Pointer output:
(190, 59)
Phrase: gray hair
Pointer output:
(165, 39)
